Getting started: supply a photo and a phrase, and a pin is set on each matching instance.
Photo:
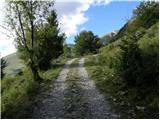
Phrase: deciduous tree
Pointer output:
(25, 17)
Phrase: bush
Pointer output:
(105, 71)
(149, 48)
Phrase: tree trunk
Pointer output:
(35, 74)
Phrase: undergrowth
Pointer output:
(18, 93)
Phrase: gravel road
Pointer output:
(74, 95)
(52, 105)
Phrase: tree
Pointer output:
(49, 42)
(3, 65)
(24, 17)
(68, 51)
(86, 42)
(147, 13)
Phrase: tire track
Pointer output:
(53, 105)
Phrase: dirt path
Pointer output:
(74, 96)
(53, 106)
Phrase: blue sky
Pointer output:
(99, 16)
(106, 18)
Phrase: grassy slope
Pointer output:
(103, 69)
(17, 92)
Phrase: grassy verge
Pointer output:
(104, 70)
(109, 83)
(51, 74)
(18, 93)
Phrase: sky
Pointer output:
(105, 18)
(99, 16)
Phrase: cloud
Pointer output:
(71, 13)
(101, 2)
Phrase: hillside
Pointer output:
(108, 37)
(111, 77)
(127, 69)
(14, 64)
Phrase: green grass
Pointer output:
(104, 76)
(18, 93)
(54, 70)
(106, 69)
(16, 96)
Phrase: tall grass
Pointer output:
(16, 96)
(19, 92)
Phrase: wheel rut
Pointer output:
(52, 105)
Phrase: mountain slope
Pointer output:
(14, 64)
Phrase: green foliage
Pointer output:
(128, 69)
(131, 60)
(50, 43)
(147, 13)
(53, 72)
(37, 34)
(140, 62)
(3, 65)
(16, 96)
(86, 42)
(104, 68)
(149, 48)
(68, 51)
(19, 92)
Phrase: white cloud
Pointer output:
(101, 2)
(70, 23)
(71, 14)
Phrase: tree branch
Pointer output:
(21, 26)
